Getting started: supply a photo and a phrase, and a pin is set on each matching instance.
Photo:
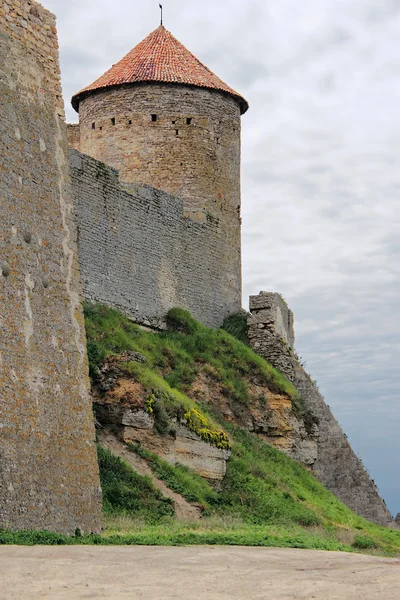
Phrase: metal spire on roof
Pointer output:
(160, 5)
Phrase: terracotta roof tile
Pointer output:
(160, 57)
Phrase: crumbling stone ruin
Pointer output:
(150, 194)
(271, 334)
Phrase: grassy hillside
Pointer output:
(265, 499)
(263, 488)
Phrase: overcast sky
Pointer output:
(321, 175)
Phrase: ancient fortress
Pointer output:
(164, 122)
(143, 214)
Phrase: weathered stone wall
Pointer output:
(270, 311)
(139, 253)
(191, 150)
(336, 465)
(48, 468)
(74, 136)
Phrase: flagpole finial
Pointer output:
(160, 5)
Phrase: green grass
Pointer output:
(208, 531)
(265, 499)
(180, 479)
(236, 325)
(178, 354)
(251, 509)
(125, 492)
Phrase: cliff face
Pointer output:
(267, 413)
(121, 405)
(125, 407)
(336, 466)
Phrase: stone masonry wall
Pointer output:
(74, 136)
(139, 253)
(336, 465)
(270, 311)
(190, 150)
(48, 466)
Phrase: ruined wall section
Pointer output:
(139, 253)
(180, 139)
(336, 465)
(48, 467)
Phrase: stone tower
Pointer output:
(162, 118)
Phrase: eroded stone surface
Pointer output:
(48, 465)
(120, 403)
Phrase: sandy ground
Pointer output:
(197, 573)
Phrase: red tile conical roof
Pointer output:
(160, 57)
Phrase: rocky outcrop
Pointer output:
(183, 447)
(335, 465)
(121, 402)
(268, 414)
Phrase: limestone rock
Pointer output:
(122, 405)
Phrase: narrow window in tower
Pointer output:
(177, 131)
(93, 125)
(113, 121)
(154, 118)
(189, 121)
(130, 122)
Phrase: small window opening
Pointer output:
(113, 121)
(177, 131)
(189, 121)
(130, 122)
(101, 129)
(154, 118)
(173, 122)
(93, 125)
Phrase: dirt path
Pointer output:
(183, 509)
(200, 573)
